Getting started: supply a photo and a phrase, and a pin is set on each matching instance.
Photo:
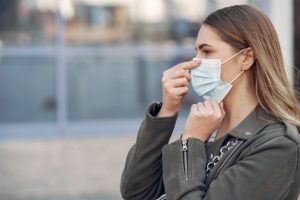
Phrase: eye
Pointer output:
(205, 52)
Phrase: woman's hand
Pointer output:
(203, 119)
(175, 83)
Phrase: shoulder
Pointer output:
(282, 136)
(277, 128)
(282, 130)
(291, 132)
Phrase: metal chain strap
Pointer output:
(215, 159)
(162, 197)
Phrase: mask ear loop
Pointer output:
(233, 56)
(241, 68)
(237, 76)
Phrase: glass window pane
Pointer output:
(92, 22)
(102, 88)
(26, 22)
(27, 89)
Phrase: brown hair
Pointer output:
(244, 26)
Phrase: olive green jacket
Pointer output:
(263, 165)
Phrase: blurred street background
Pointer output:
(76, 77)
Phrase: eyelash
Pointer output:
(203, 51)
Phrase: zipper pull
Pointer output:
(184, 145)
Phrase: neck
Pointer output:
(238, 104)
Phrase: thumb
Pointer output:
(222, 109)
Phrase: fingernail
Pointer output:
(196, 60)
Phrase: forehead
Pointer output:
(207, 35)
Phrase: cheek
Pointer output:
(229, 72)
(224, 75)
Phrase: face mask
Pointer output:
(206, 79)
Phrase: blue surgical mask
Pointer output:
(206, 79)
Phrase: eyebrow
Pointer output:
(201, 46)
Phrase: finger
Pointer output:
(179, 82)
(176, 72)
(190, 65)
(180, 91)
(185, 93)
(201, 108)
(194, 109)
(222, 109)
(217, 109)
(209, 107)
(187, 74)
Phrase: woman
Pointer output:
(242, 142)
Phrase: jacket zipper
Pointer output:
(184, 150)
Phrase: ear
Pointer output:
(249, 59)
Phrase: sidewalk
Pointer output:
(82, 169)
(63, 169)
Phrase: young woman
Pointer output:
(241, 141)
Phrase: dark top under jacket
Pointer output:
(263, 163)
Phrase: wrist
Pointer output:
(164, 112)
(185, 137)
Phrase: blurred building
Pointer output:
(78, 63)
(89, 68)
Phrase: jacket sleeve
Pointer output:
(142, 175)
(265, 173)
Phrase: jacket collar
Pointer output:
(253, 124)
